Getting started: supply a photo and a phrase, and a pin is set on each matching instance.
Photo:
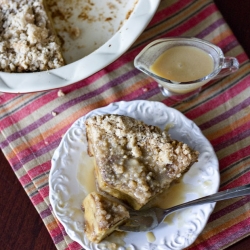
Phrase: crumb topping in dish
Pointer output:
(137, 159)
(27, 40)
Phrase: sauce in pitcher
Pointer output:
(183, 64)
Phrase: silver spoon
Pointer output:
(148, 219)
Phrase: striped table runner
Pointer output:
(32, 124)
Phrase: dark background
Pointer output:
(21, 227)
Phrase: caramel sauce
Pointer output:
(85, 173)
(150, 237)
(183, 64)
(173, 196)
(115, 241)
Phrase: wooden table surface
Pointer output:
(21, 228)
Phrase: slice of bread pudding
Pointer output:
(134, 161)
(102, 216)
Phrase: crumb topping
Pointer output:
(60, 93)
(27, 40)
(108, 213)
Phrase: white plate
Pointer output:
(67, 191)
(107, 30)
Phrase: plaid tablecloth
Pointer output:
(32, 124)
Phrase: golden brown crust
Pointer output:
(135, 161)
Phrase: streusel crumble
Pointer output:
(27, 40)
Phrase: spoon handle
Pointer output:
(223, 195)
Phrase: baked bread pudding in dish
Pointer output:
(102, 216)
(28, 42)
(135, 162)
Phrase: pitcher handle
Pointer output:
(229, 66)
